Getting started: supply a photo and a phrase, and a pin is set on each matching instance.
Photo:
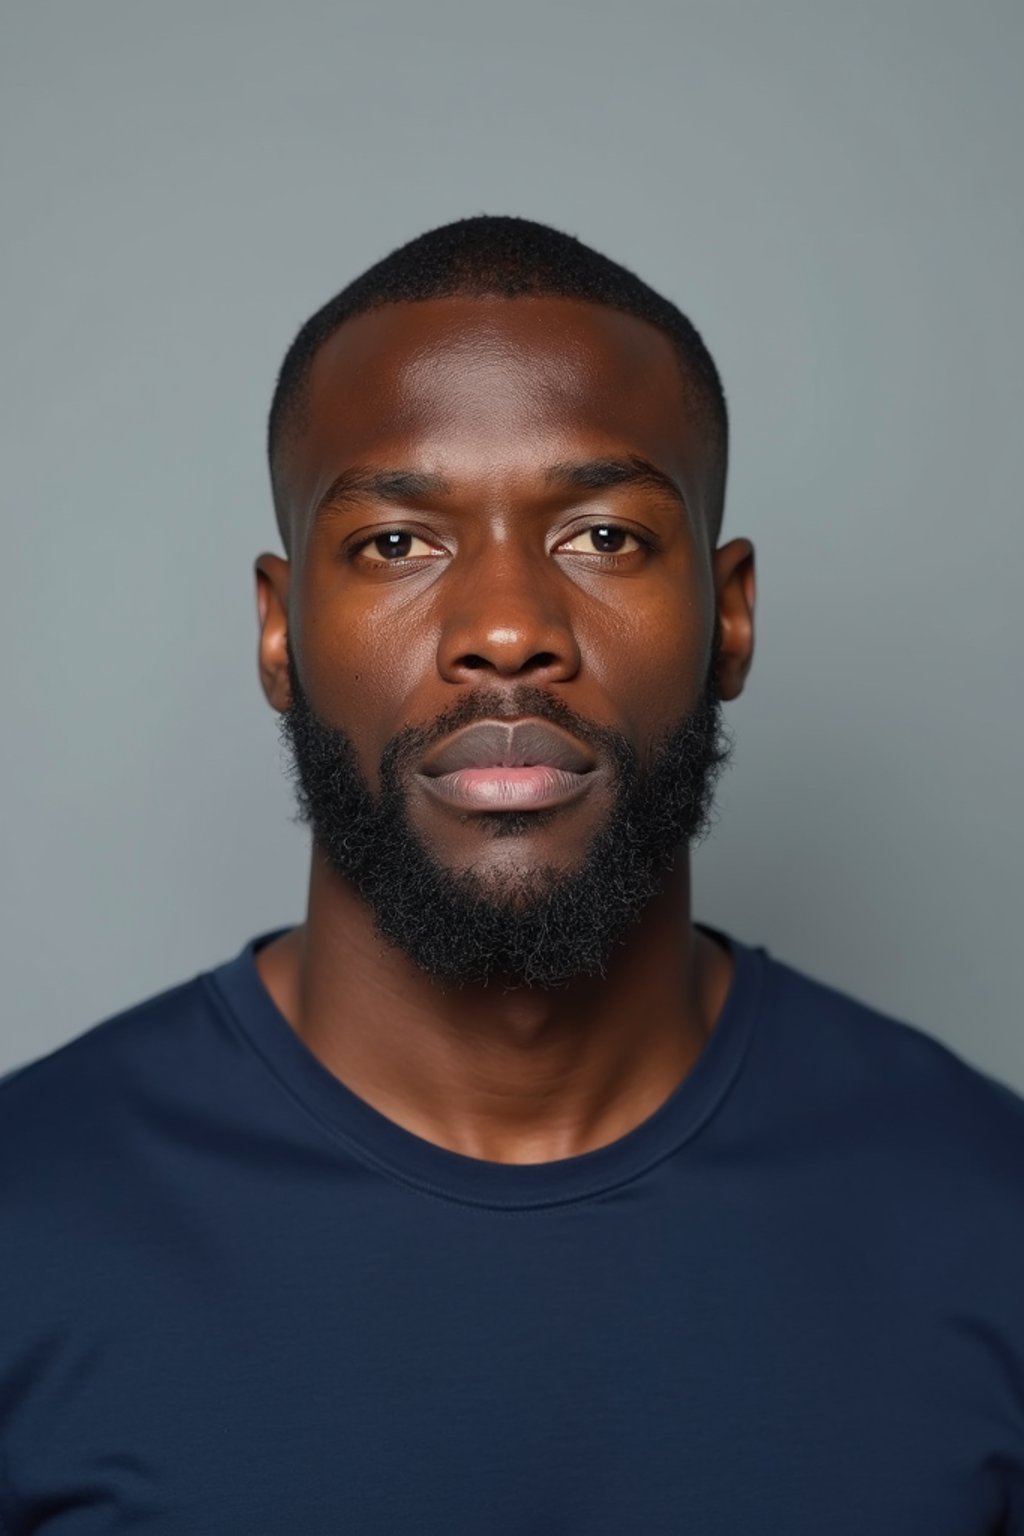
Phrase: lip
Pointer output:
(508, 765)
(495, 744)
(538, 788)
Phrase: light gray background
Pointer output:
(832, 191)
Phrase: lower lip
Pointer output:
(507, 789)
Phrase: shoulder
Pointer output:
(87, 1091)
(898, 1087)
(98, 1162)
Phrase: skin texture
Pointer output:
(501, 586)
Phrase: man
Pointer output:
(499, 1196)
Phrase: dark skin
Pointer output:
(501, 583)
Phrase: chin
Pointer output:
(512, 882)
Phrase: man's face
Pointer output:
(502, 626)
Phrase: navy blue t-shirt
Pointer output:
(237, 1300)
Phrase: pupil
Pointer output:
(396, 544)
(607, 540)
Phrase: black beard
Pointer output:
(550, 926)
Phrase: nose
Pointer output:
(505, 614)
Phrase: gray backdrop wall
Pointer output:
(832, 191)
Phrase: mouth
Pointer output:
(504, 765)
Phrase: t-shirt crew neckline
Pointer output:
(383, 1144)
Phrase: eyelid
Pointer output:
(362, 542)
(646, 541)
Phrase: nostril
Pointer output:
(509, 657)
(474, 663)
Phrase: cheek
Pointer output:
(360, 658)
(652, 658)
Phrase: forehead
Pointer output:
(491, 388)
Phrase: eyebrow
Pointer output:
(606, 474)
(397, 485)
(408, 485)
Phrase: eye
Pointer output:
(605, 539)
(394, 544)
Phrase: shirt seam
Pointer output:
(379, 1165)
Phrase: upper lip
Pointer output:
(508, 744)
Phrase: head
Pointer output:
(504, 624)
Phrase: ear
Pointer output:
(273, 576)
(735, 591)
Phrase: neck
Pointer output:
(522, 1076)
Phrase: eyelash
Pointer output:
(645, 541)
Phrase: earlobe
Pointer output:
(735, 591)
(272, 581)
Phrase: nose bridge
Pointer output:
(505, 608)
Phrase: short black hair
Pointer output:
(503, 257)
